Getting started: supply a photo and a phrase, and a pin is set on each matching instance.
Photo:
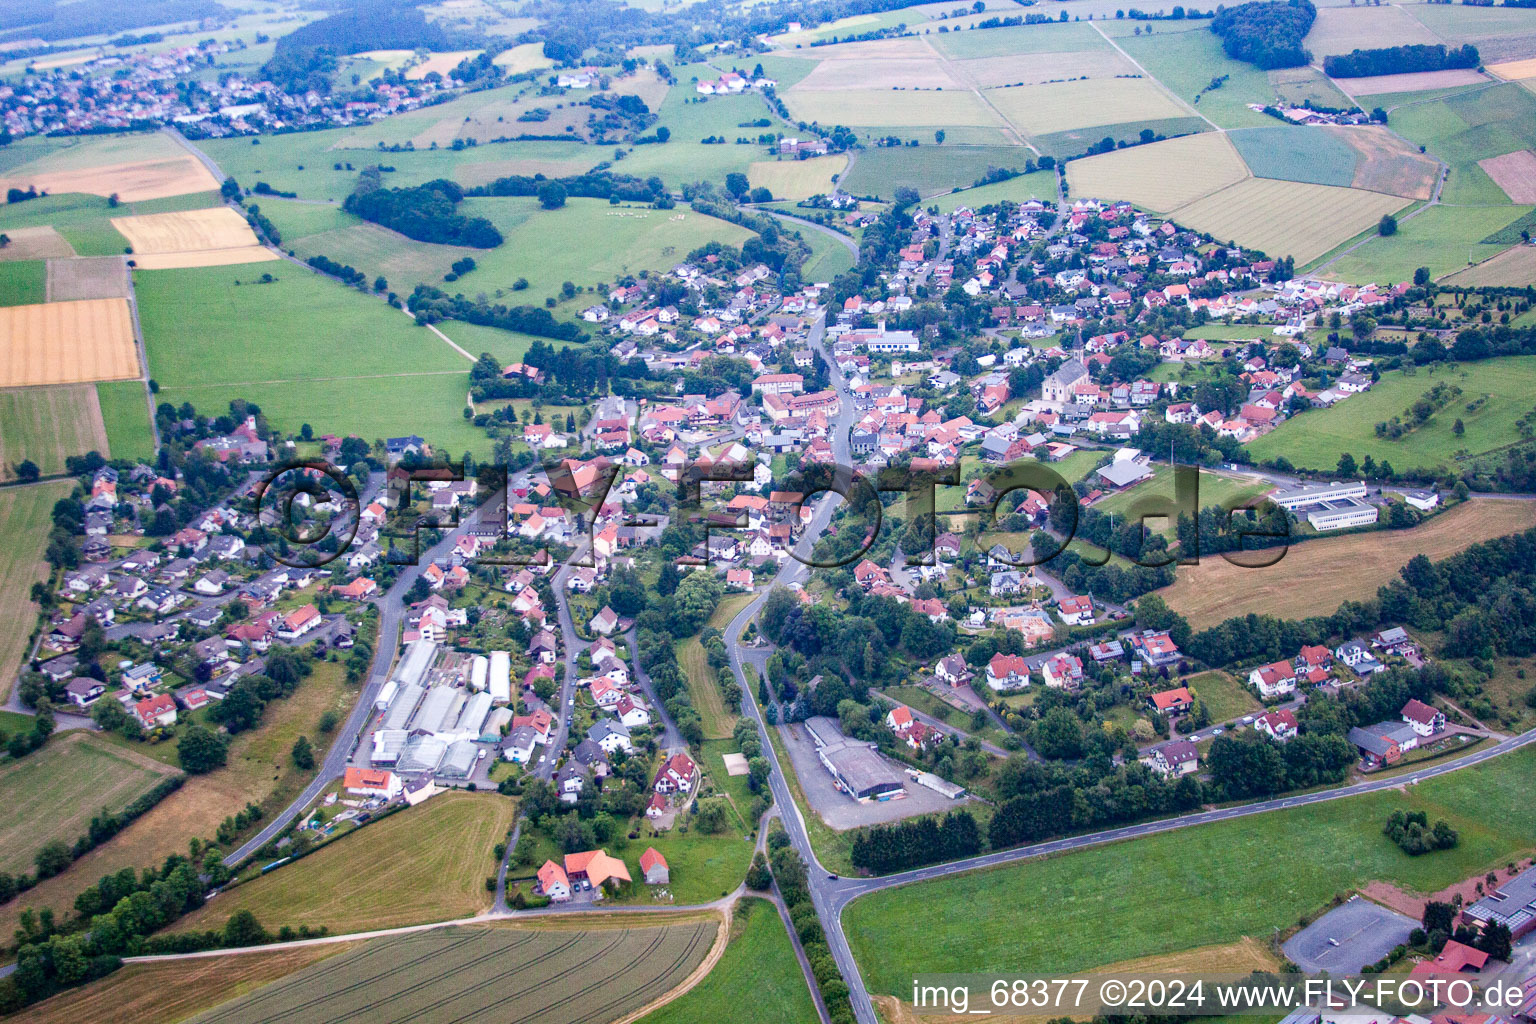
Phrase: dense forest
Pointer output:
(1396, 60)
(52, 19)
(304, 58)
(1267, 34)
(426, 213)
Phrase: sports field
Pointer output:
(759, 960)
(1086, 103)
(1214, 489)
(1187, 889)
(1442, 238)
(1286, 218)
(1316, 439)
(471, 974)
(192, 238)
(422, 864)
(52, 793)
(1307, 581)
(46, 425)
(260, 770)
(25, 519)
(167, 991)
(1163, 175)
(124, 412)
(797, 179)
(133, 167)
(67, 342)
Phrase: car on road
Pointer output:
(1248, 719)
(1217, 731)
(831, 878)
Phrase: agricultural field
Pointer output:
(1316, 439)
(1163, 175)
(1388, 164)
(57, 226)
(1038, 68)
(87, 277)
(877, 108)
(1500, 34)
(124, 411)
(529, 975)
(67, 342)
(132, 167)
(52, 793)
(168, 991)
(829, 257)
(1513, 266)
(1443, 238)
(1374, 86)
(1089, 103)
(931, 72)
(1187, 62)
(1039, 185)
(311, 164)
(1469, 125)
(1294, 153)
(928, 169)
(797, 179)
(585, 241)
(1342, 29)
(260, 770)
(1301, 86)
(422, 864)
(441, 63)
(1020, 40)
(704, 689)
(758, 959)
(25, 519)
(1188, 889)
(1308, 577)
(1515, 173)
(1285, 218)
(192, 238)
(47, 425)
(23, 282)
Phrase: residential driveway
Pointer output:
(840, 810)
(1364, 932)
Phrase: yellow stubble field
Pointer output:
(191, 238)
(67, 343)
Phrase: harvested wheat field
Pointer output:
(1387, 163)
(1413, 81)
(89, 277)
(1515, 173)
(885, 108)
(192, 238)
(1512, 267)
(173, 990)
(66, 343)
(1307, 580)
(1514, 70)
(130, 182)
(796, 179)
(42, 243)
(1163, 175)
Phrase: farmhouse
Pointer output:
(595, 867)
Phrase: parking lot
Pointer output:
(840, 810)
(1348, 937)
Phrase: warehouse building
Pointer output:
(857, 768)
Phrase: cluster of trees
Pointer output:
(858, 642)
(615, 188)
(1250, 765)
(790, 872)
(427, 213)
(431, 305)
(305, 58)
(1411, 831)
(246, 701)
(1037, 801)
(1439, 927)
(1267, 34)
(1396, 60)
(884, 849)
(345, 271)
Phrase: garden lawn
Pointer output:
(426, 863)
(1316, 439)
(1185, 889)
(52, 793)
(1225, 698)
(761, 960)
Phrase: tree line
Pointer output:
(1397, 60)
